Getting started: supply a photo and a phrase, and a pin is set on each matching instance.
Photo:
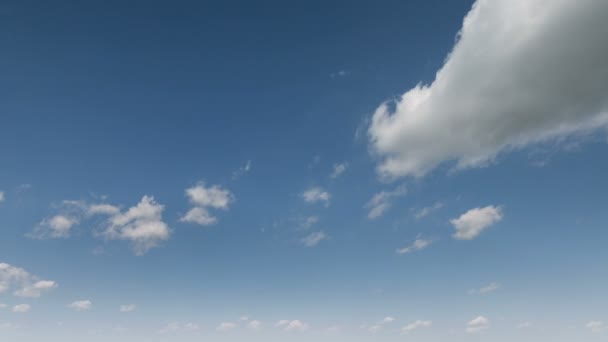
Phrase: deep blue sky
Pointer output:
(108, 101)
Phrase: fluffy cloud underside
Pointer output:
(477, 325)
(521, 72)
(203, 199)
(23, 283)
(382, 201)
(142, 225)
(472, 223)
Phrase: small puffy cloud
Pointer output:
(254, 325)
(338, 170)
(226, 326)
(23, 283)
(316, 194)
(517, 75)
(58, 226)
(127, 308)
(596, 326)
(485, 289)
(420, 214)
(415, 325)
(417, 245)
(204, 198)
(80, 305)
(388, 320)
(470, 224)
(142, 225)
(177, 327)
(21, 308)
(382, 201)
(241, 171)
(103, 209)
(477, 325)
(295, 325)
(314, 239)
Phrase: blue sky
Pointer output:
(289, 171)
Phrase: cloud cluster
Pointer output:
(23, 283)
(472, 223)
(521, 72)
(382, 201)
(204, 198)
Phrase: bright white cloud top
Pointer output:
(511, 80)
(472, 223)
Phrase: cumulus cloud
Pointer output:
(382, 201)
(520, 73)
(226, 326)
(21, 308)
(58, 226)
(314, 239)
(204, 198)
(417, 245)
(80, 305)
(177, 327)
(128, 308)
(316, 194)
(472, 223)
(338, 170)
(23, 283)
(485, 289)
(477, 325)
(596, 326)
(415, 325)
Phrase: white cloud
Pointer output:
(477, 325)
(519, 74)
(485, 289)
(382, 201)
(427, 210)
(22, 308)
(416, 325)
(3, 306)
(226, 326)
(58, 226)
(128, 308)
(338, 170)
(104, 209)
(2, 198)
(254, 325)
(80, 305)
(296, 325)
(470, 224)
(177, 327)
(142, 225)
(316, 194)
(24, 283)
(309, 221)
(314, 239)
(417, 245)
(596, 326)
(241, 171)
(203, 198)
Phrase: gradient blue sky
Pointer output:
(471, 206)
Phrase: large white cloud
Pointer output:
(23, 283)
(142, 225)
(521, 72)
(470, 224)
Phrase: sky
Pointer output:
(293, 171)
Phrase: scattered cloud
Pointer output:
(477, 325)
(309, 221)
(418, 245)
(226, 326)
(388, 320)
(314, 239)
(485, 289)
(2, 197)
(81, 305)
(128, 308)
(524, 325)
(596, 326)
(22, 188)
(23, 283)
(176, 327)
(415, 325)
(470, 224)
(241, 171)
(375, 328)
(254, 325)
(142, 225)
(338, 170)
(509, 82)
(339, 74)
(295, 325)
(424, 212)
(316, 194)
(204, 198)
(102, 209)
(22, 308)
(382, 201)
(58, 226)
